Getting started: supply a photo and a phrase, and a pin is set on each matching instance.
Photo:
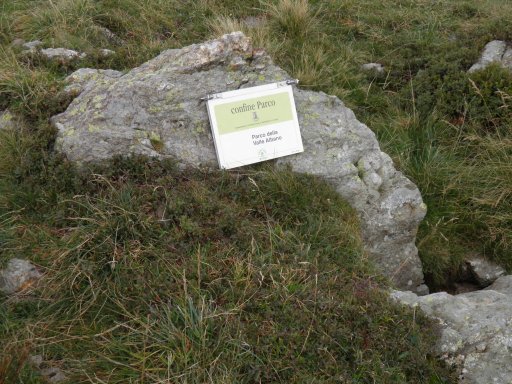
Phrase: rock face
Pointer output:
(496, 51)
(18, 275)
(85, 77)
(476, 330)
(160, 102)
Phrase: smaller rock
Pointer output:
(375, 67)
(485, 271)
(53, 375)
(476, 330)
(19, 275)
(32, 45)
(503, 285)
(107, 52)
(35, 361)
(422, 290)
(493, 52)
(453, 37)
(61, 54)
(6, 120)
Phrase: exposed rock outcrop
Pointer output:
(496, 51)
(476, 330)
(88, 77)
(161, 101)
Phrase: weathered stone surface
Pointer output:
(84, 77)
(496, 51)
(476, 330)
(6, 120)
(160, 101)
(376, 67)
(484, 271)
(18, 275)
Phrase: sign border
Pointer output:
(267, 89)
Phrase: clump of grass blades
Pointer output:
(29, 91)
(66, 23)
(295, 18)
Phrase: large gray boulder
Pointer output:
(476, 330)
(156, 110)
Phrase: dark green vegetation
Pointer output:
(153, 274)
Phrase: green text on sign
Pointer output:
(253, 113)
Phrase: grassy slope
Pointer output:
(115, 303)
(154, 275)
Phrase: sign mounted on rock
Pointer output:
(254, 124)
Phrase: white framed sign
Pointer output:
(254, 124)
